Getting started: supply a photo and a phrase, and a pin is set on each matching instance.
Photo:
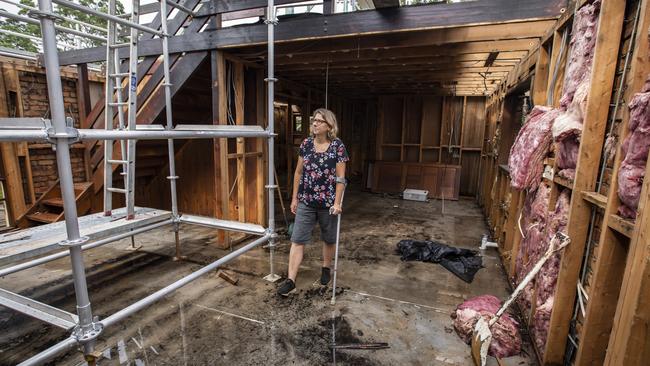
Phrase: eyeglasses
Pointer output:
(318, 121)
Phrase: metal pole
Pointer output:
(74, 21)
(86, 330)
(95, 134)
(50, 353)
(336, 251)
(169, 126)
(179, 7)
(113, 18)
(271, 21)
(29, 20)
(137, 306)
(111, 59)
(133, 111)
(55, 256)
(20, 135)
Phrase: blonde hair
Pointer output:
(330, 118)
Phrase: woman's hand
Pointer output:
(336, 210)
(294, 205)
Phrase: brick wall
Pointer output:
(35, 104)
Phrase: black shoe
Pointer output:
(325, 276)
(286, 288)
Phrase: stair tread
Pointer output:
(56, 202)
(46, 217)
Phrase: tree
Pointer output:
(20, 43)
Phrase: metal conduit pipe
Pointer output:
(55, 256)
(50, 353)
(139, 305)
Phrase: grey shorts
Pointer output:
(306, 218)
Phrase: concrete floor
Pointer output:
(211, 322)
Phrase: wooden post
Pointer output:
(629, 344)
(541, 76)
(261, 146)
(15, 195)
(83, 101)
(220, 117)
(612, 250)
(238, 76)
(610, 26)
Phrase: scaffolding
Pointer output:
(116, 224)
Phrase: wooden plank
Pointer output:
(348, 24)
(621, 225)
(220, 116)
(238, 77)
(262, 163)
(540, 84)
(610, 25)
(599, 200)
(15, 195)
(385, 3)
(434, 55)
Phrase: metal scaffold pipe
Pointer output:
(114, 18)
(86, 328)
(168, 111)
(139, 305)
(270, 23)
(29, 20)
(179, 7)
(75, 21)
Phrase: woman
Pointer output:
(318, 185)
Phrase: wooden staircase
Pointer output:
(151, 103)
(49, 207)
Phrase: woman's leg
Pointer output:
(328, 254)
(295, 258)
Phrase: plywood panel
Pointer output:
(412, 120)
(474, 122)
(431, 121)
(388, 177)
(392, 109)
(453, 118)
(469, 173)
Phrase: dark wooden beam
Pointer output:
(313, 26)
(225, 6)
(406, 55)
(490, 60)
(385, 3)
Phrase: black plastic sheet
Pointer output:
(464, 263)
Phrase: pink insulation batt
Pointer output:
(506, 340)
(531, 147)
(635, 150)
(547, 277)
(567, 128)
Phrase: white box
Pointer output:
(415, 195)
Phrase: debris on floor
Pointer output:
(229, 277)
(506, 340)
(464, 263)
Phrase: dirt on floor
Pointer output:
(212, 322)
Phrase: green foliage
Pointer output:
(65, 38)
